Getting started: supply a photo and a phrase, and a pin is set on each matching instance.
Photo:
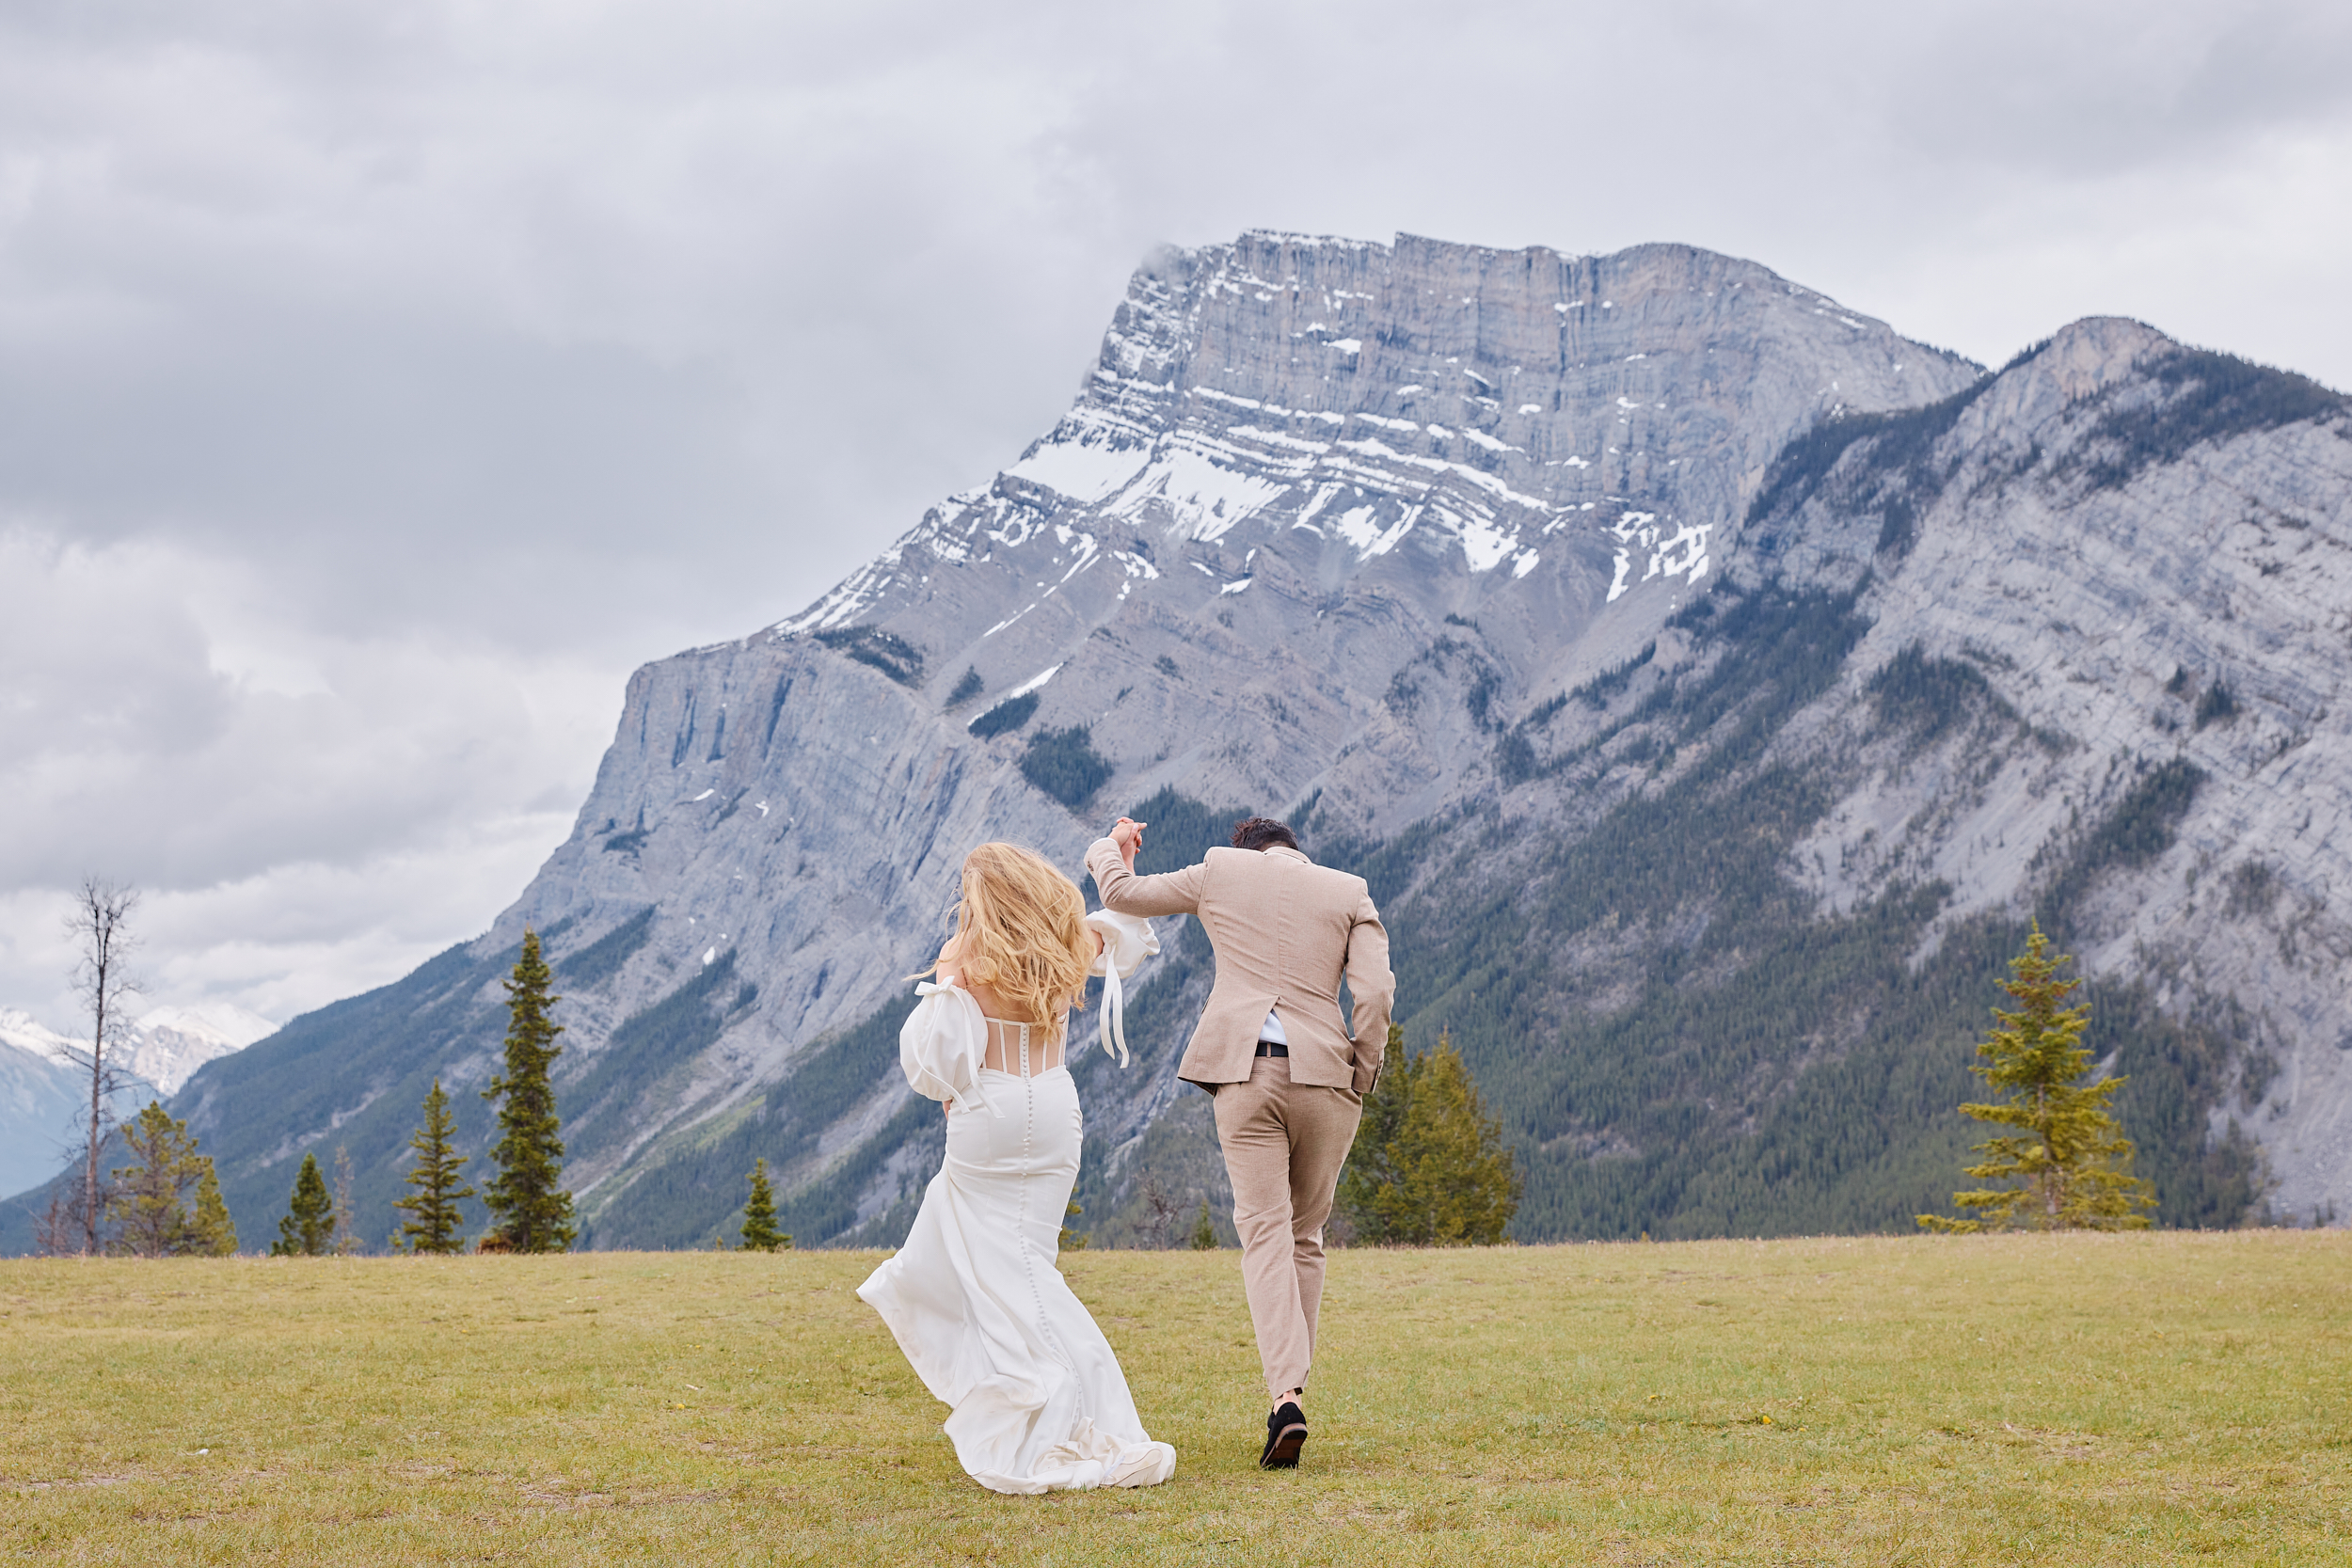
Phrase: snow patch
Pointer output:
(1034, 682)
(1207, 497)
(1681, 554)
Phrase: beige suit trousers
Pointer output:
(1284, 1144)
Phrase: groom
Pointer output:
(1288, 1081)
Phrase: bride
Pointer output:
(974, 1300)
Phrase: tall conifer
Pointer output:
(2069, 1156)
(532, 1213)
(434, 1224)
(1429, 1167)
(759, 1215)
(214, 1234)
(308, 1230)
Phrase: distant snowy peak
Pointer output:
(235, 1027)
(169, 1044)
(22, 1030)
(166, 1044)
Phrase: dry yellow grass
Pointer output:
(2102, 1399)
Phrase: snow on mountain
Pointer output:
(169, 1044)
(44, 1096)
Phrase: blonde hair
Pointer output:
(1020, 930)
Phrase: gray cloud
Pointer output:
(380, 381)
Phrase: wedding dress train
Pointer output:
(1038, 1403)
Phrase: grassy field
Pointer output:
(2102, 1399)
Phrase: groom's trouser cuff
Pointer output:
(1284, 1144)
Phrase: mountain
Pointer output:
(169, 1044)
(39, 1099)
(1711, 682)
(43, 1097)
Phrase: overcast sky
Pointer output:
(380, 382)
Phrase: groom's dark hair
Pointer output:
(1261, 832)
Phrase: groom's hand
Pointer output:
(1128, 834)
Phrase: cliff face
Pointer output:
(1607, 613)
(2147, 552)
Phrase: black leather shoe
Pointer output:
(1285, 1434)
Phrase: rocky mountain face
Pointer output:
(1711, 681)
(169, 1043)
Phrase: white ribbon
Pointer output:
(1127, 940)
(1114, 1022)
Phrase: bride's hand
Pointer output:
(1128, 834)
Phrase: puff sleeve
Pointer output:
(942, 1044)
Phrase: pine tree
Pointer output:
(1204, 1230)
(308, 1230)
(1072, 1241)
(434, 1223)
(2069, 1156)
(531, 1212)
(759, 1215)
(150, 1198)
(1429, 1167)
(214, 1234)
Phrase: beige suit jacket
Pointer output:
(1285, 929)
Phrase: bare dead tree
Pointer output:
(100, 924)
(1162, 1225)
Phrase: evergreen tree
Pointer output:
(532, 1213)
(150, 1198)
(1204, 1230)
(214, 1234)
(435, 1222)
(759, 1215)
(1072, 1241)
(308, 1230)
(1428, 1168)
(2069, 1156)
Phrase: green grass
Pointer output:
(2138, 1400)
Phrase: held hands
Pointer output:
(1128, 834)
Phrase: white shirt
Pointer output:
(1271, 1031)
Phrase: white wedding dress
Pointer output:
(1038, 1404)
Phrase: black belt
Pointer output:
(1271, 1048)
